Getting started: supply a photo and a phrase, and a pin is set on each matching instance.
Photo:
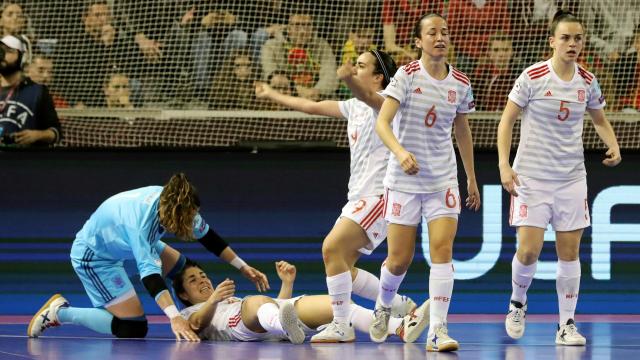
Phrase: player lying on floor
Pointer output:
(216, 315)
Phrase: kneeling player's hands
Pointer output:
(256, 277)
(182, 329)
(223, 291)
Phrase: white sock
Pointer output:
(367, 285)
(269, 319)
(521, 277)
(440, 290)
(568, 287)
(340, 292)
(389, 285)
(361, 319)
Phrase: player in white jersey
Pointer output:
(217, 315)
(361, 226)
(426, 97)
(548, 180)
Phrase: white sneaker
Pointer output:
(289, 321)
(335, 332)
(414, 323)
(568, 334)
(516, 319)
(403, 307)
(378, 330)
(47, 316)
(441, 341)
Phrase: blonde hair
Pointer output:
(179, 203)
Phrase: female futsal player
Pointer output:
(128, 226)
(360, 227)
(216, 315)
(548, 180)
(426, 97)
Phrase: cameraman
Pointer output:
(27, 114)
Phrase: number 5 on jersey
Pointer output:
(564, 111)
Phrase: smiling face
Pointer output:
(567, 41)
(197, 286)
(434, 37)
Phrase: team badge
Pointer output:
(452, 96)
(581, 95)
(395, 209)
(359, 206)
(523, 211)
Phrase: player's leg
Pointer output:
(261, 314)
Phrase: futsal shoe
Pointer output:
(516, 319)
(47, 316)
(441, 341)
(289, 321)
(568, 334)
(335, 332)
(380, 324)
(402, 307)
(414, 323)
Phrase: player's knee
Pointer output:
(399, 265)
(527, 256)
(330, 251)
(124, 328)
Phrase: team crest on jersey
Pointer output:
(581, 95)
(395, 209)
(393, 82)
(359, 206)
(451, 98)
(523, 211)
(516, 88)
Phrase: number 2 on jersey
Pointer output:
(563, 110)
(431, 118)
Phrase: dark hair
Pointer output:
(499, 36)
(562, 16)
(178, 288)
(91, 3)
(385, 66)
(417, 28)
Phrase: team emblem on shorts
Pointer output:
(523, 211)
(359, 206)
(452, 96)
(395, 209)
(581, 95)
(118, 282)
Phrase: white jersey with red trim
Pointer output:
(423, 126)
(369, 156)
(553, 116)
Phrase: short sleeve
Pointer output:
(468, 104)
(521, 92)
(187, 312)
(596, 98)
(398, 85)
(346, 107)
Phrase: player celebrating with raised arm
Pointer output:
(128, 226)
(360, 227)
(548, 180)
(424, 100)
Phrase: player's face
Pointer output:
(567, 41)
(197, 286)
(365, 67)
(434, 37)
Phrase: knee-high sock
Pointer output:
(98, 320)
(361, 319)
(440, 290)
(389, 284)
(269, 319)
(568, 287)
(340, 292)
(521, 277)
(367, 285)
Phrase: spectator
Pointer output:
(27, 114)
(307, 59)
(361, 39)
(398, 19)
(117, 92)
(496, 73)
(279, 81)
(233, 85)
(12, 19)
(627, 74)
(40, 70)
(263, 20)
(470, 23)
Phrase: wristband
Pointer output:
(238, 263)
(171, 311)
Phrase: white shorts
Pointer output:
(563, 204)
(407, 208)
(367, 212)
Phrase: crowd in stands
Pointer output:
(208, 54)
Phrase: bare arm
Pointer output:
(326, 107)
(365, 94)
(287, 274)
(465, 146)
(508, 177)
(202, 318)
(387, 112)
(608, 136)
(254, 275)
